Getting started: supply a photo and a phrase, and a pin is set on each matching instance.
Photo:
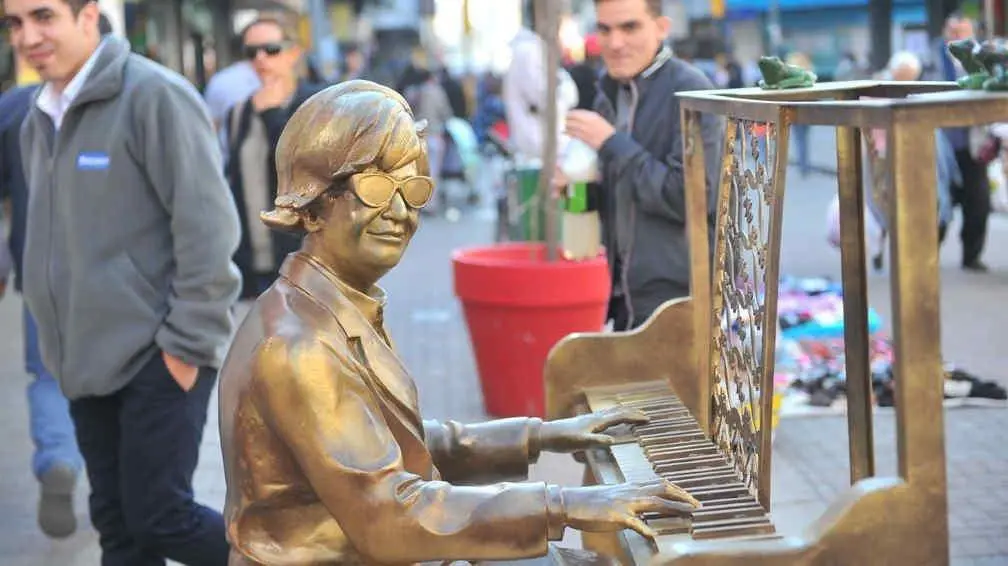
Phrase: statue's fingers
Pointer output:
(675, 493)
(667, 508)
(633, 416)
(635, 523)
(651, 487)
(599, 440)
(620, 415)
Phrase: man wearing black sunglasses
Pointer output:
(253, 129)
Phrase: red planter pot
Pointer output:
(517, 307)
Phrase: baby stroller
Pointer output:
(460, 166)
(498, 162)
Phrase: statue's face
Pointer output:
(366, 230)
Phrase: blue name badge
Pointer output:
(92, 161)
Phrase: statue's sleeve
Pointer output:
(484, 452)
(315, 399)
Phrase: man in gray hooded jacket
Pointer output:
(128, 272)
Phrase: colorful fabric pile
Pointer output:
(810, 349)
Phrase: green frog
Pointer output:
(994, 58)
(778, 75)
(967, 52)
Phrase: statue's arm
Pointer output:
(317, 402)
(485, 452)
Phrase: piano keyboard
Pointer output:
(673, 447)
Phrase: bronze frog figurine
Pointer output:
(994, 58)
(967, 51)
(779, 75)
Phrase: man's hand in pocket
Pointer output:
(183, 373)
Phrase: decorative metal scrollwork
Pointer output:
(747, 198)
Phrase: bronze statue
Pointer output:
(326, 456)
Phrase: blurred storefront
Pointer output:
(196, 37)
(473, 36)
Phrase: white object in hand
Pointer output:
(578, 161)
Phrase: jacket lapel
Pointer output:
(386, 375)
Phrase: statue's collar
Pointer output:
(322, 284)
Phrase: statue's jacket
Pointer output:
(328, 460)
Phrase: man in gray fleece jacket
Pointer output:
(128, 272)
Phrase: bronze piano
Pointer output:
(702, 367)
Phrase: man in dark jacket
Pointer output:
(973, 193)
(635, 129)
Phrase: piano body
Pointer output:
(702, 367)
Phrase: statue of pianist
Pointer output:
(326, 456)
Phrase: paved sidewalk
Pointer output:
(822, 150)
(810, 458)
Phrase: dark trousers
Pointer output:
(973, 197)
(619, 314)
(141, 445)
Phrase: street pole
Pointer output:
(880, 24)
(936, 12)
(989, 19)
(774, 28)
(468, 48)
(548, 14)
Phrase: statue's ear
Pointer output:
(312, 221)
(421, 128)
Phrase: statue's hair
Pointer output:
(343, 130)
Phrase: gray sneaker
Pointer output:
(56, 512)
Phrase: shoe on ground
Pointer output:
(976, 265)
(56, 512)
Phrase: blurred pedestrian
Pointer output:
(973, 193)
(253, 129)
(586, 74)
(430, 102)
(801, 132)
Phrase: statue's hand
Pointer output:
(616, 507)
(584, 431)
